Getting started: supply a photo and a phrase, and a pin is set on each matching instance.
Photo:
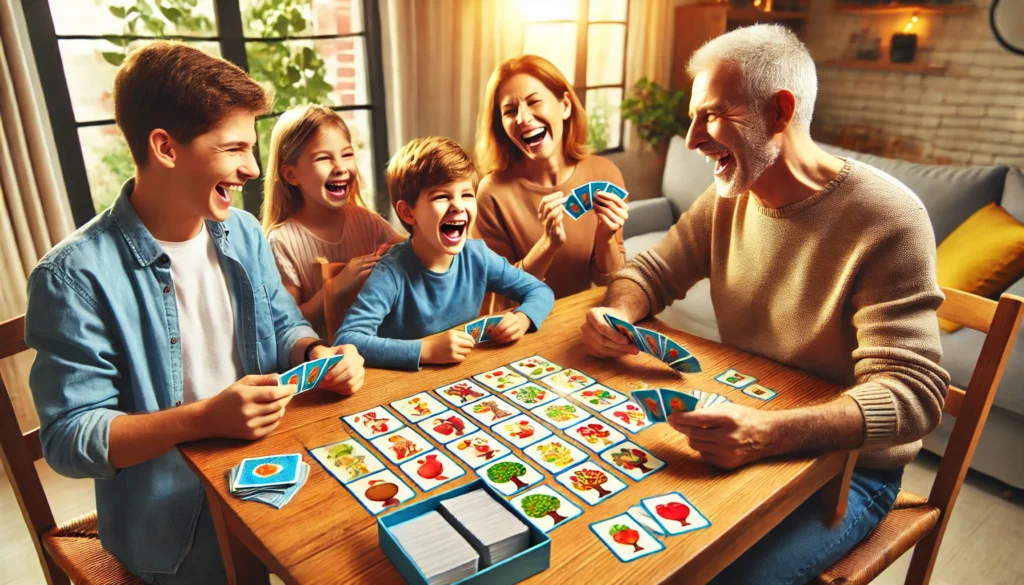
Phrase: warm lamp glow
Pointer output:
(910, 25)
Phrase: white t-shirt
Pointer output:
(210, 361)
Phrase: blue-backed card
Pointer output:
(314, 372)
(672, 351)
(331, 362)
(489, 324)
(275, 470)
(628, 329)
(585, 195)
(294, 377)
(475, 328)
(599, 186)
(650, 401)
(676, 401)
(687, 365)
(574, 207)
(654, 341)
(617, 191)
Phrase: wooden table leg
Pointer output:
(836, 493)
(241, 565)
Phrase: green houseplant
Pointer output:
(657, 113)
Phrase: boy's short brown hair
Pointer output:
(425, 163)
(180, 89)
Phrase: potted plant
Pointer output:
(656, 113)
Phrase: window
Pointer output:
(586, 40)
(308, 51)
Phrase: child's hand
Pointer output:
(447, 347)
(511, 327)
(354, 272)
(550, 213)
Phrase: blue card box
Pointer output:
(531, 561)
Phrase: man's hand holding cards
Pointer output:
(660, 346)
(660, 403)
(329, 371)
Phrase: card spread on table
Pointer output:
(555, 454)
(461, 393)
(276, 496)
(493, 530)
(561, 413)
(441, 554)
(500, 379)
(595, 434)
(431, 470)
(521, 431)
(374, 422)
(629, 415)
(675, 513)
(530, 395)
(568, 380)
(626, 538)
(535, 367)
(510, 475)
(545, 508)
(734, 378)
(490, 411)
(639, 514)
(591, 482)
(581, 199)
(447, 426)
(380, 491)
(632, 460)
(401, 445)
(478, 449)
(599, 397)
(418, 407)
(347, 460)
(760, 392)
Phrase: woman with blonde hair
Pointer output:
(532, 148)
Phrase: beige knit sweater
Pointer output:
(841, 284)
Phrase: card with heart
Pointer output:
(675, 513)
(626, 538)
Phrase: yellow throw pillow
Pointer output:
(984, 255)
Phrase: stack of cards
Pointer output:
(442, 555)
(494, 531)
(273, 480)
(581, 200)
(481, 329)
(306, 376)
(656, 344)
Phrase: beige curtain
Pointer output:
(34, 212)
(648, 49)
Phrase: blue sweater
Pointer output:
(402, 301)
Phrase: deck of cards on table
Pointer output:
(581, 200)
(308, 375)
(494, 531)
(273, 480)
(440, 553)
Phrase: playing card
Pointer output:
(687, 365)
(447, 426)
(496, 532)
(478, 449)
(560, 413)
(585, 195)
(654, 341)
(568, 380)
(617, 191)
(431, 470)
(732, 377)
(461, 392)
(535, 367)
(401, 445)
(374, 422)
(313, 373)
(347, 460)
(555, 454)
(599, 397)
(675, 513)
(598, 186)
(632, 460)
(521, 431)
(676, 401)
(629, 415)
(626, 538)
(530, 395)
(294, 377)
(545, 508)
(475, 328)
(500, 379)
(639, 514)
(489, 324)
(380, 491)
(671, 351)
(650, 401)
(270, 471)
(490, 410)
(594, 434)
(760, 392)
(574, 207)
(418, 406)
(440, 553)
(590, 482)
(510, 475)
(278, 500)
(629, 330)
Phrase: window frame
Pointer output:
(231, 38)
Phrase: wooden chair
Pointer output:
(913, 519)
(71, 549)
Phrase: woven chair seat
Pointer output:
(75, 547)
(910, 519)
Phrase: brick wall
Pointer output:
(337, 18)
(973, 113)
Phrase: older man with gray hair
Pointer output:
(817, 262)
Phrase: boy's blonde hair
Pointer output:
(293, 131)
(425, 163)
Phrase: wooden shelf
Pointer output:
(755, 15)
(932, 9)
(880, 65)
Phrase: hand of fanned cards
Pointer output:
(273, 480)
(309, 375)
(581, 200)
(659, 403)
(660, 346)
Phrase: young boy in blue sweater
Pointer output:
(437, 279)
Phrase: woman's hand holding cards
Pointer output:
(550, 213)
(601, 340)
(612, 213)
(347, 376)
(248, 409)
(511, 328)
(447, 347)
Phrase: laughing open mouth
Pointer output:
(453, 231)
(722, 160)
(337, 188)
(227, 191)
(535, 136)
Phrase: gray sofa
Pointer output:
(951, 195)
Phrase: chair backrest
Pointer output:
(19, 452)
(334, 312)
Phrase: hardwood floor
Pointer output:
(982, 545)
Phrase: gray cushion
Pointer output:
(648, 215)
(642, 243)
(686, 176)
(951, 194)
(1013, 194)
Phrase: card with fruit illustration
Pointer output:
(591, 482)
(545, 508)
(381, 491)
(676, 401)
(401, 445)
(374, 422)
(448, 426)
(734, 378)
(599, 397)
(432, 470)
(555, 454)
(478, 449)
(595, 434)
(632, 460)
(567, 381)
(561, 413)
(490, 410)
(522, 431)
(531, 395)
(626, 538)
(630, 416)
(501, 379)
(760, 392)
(675, 513)
(510, 475)
(461, 393)
(650, 401)
(535, 367)
(347, 460)
(418, 406)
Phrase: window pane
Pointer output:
(604, 119)
(145, 18)
(358, 122)
(89, 67)
(606, 46)
(609, 10)
(287, 18)
(548, 10)
(330, 72)
(555, 42)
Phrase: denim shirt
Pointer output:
(103, 318)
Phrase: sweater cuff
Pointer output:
(878, 406)
(635, 274)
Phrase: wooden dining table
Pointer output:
(324, 535)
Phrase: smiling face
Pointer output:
(729, 131)
(325, 170)
(441, 219)
(532, 116)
